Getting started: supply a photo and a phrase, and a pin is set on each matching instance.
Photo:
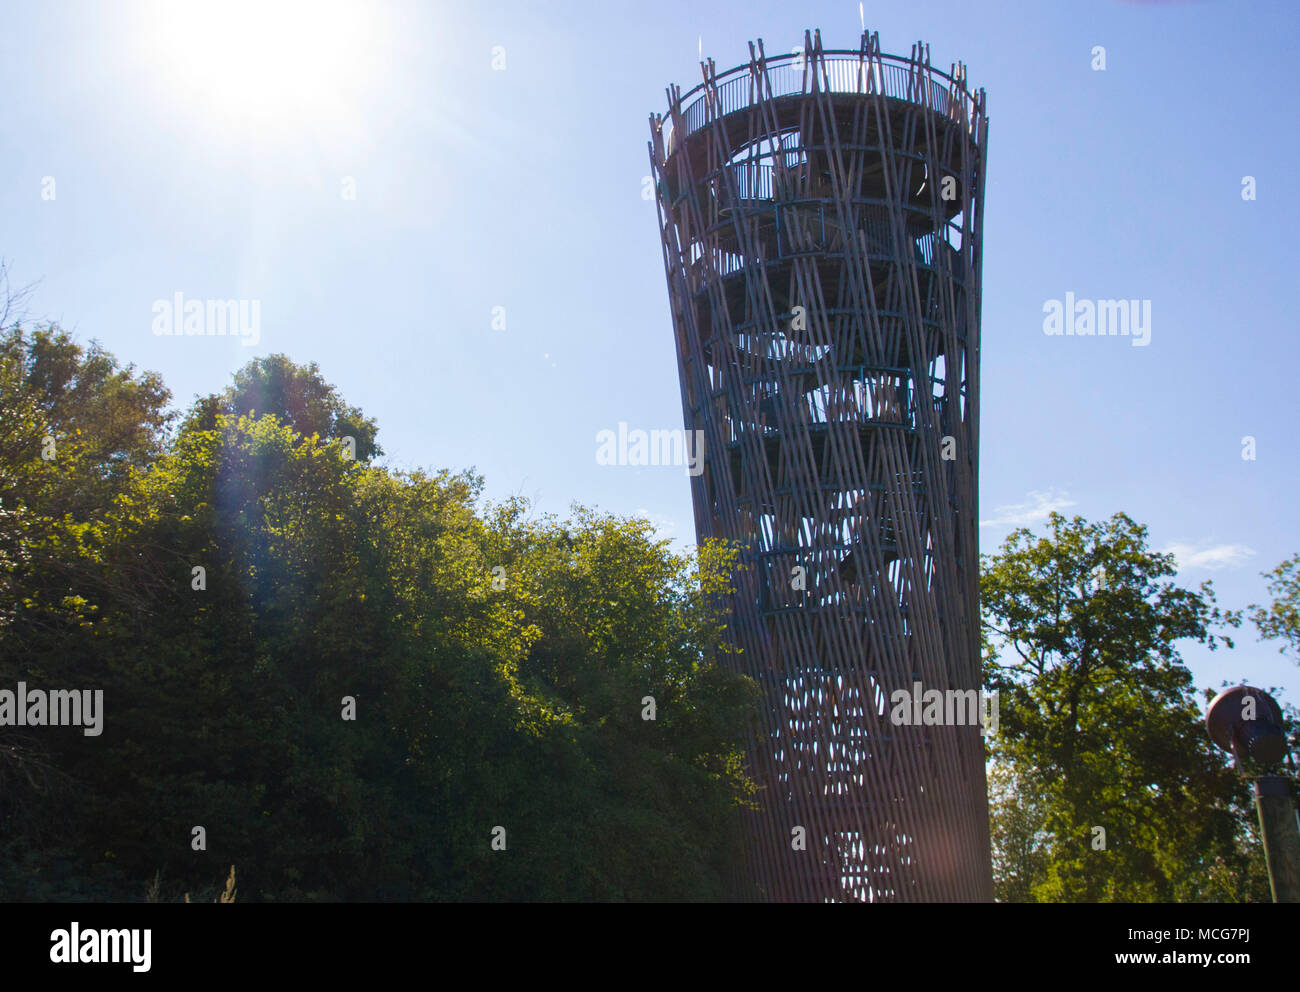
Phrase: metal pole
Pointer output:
(1280, 831)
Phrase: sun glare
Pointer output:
(269, 62)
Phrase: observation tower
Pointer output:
(821, 217)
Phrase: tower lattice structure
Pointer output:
(821, 217)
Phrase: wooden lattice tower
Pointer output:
(821, 215)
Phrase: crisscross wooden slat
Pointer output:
(821, 218)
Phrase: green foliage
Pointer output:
(478, 704)
(75, 432)
(297, 395)
(499, 666)
(1017, 821)
(1100, 725)
(1281, 618)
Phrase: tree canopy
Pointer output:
(365, 684)
(349, 677)
(1281, 617)
(1104, 784)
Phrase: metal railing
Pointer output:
(703, 264)
(834, 72)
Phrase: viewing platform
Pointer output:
(782, 80)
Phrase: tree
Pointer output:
(611, 616)
(76, 430)
(1099, 717)
(248, 589)
(1281, 618)
(296, 394)
(1017, 824)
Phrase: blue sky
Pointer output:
(185, 161)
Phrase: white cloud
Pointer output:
(1190, 556)
(665, 528)
(1035, 510)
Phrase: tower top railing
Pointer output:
(836, 71)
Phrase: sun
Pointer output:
(267, 62)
